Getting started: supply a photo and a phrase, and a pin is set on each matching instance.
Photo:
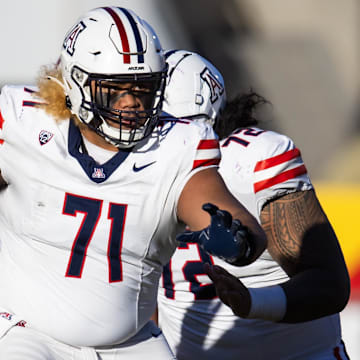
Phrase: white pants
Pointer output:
(24, 343)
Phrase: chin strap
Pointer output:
(57, 81)
(67, 98)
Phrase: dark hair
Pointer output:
(239, 112)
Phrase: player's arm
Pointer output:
(155, 316)
(207, 186)
(302, 241)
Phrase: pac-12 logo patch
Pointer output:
(71, 37)
(45, 136)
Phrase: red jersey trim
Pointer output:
(1, 126)
(206, 162)
(208, 144)
(276, 160)
(1, 121)
(286, 175)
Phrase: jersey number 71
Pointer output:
(91, 208)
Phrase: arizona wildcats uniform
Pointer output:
(83, 244)
(257, 166)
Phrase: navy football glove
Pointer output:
(225, 238)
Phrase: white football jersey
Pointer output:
(83, 244)
(257, 166)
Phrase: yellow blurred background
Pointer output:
(341, 202)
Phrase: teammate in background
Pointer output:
(286, 304)
(95, 190)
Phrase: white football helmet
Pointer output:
(195, 88)
(107, 48)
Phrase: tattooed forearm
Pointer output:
(287, 221)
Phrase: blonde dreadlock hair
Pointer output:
(51, 91)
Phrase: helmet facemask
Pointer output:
(101, 93)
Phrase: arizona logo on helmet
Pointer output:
(6, 315)
(70, 39)
(216, 88)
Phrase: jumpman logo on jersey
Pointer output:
(136, 169)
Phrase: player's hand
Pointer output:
(225, 238)
(230, 290)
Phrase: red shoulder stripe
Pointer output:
(1, 126)
(1, 121)
(208, 144)
(206, 162)
(286, 175)
(276, 160)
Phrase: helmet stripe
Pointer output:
(122, 32)
(139, 45)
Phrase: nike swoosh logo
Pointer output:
(136, 169)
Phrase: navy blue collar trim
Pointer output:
(95, 172)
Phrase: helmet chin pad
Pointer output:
(122, 138)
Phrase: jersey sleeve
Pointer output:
(13, 100)
(207, 154)
(7, 124)
(186, 148)
(1, 128)
(279, 169)
(203, 149)
(190, 147)
(5, 113)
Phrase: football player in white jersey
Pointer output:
(286, 304)
(96, 186)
